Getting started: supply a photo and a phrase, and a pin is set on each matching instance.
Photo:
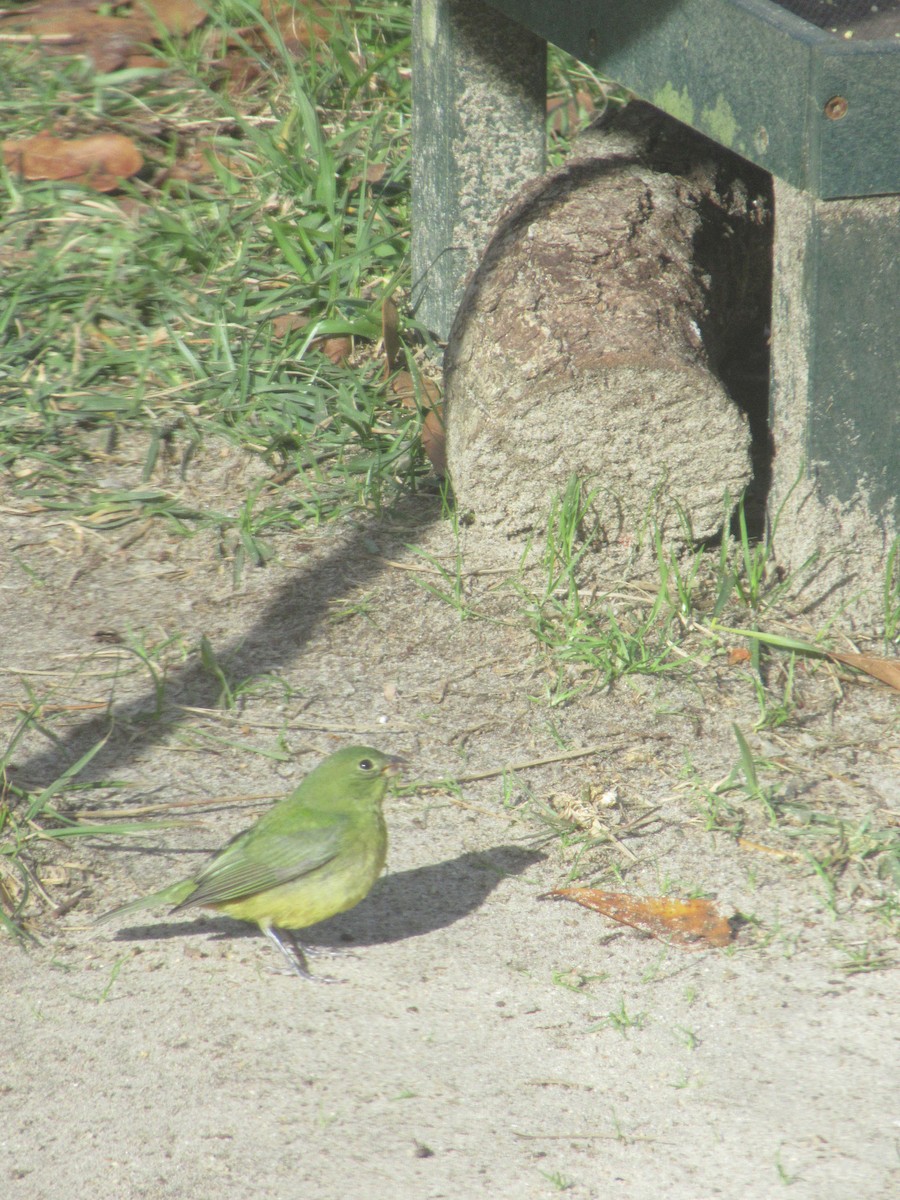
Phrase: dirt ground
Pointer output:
(483, 1042)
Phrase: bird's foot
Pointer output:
(295, 955)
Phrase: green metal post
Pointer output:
(836, 360)
(479, 102)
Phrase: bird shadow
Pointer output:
(402, 905)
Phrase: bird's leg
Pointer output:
(293, 953)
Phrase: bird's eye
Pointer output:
(366, 764)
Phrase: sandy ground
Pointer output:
(483, 1042)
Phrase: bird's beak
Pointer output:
(394, 765)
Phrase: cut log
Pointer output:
(615, 331)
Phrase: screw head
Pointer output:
(836, 108)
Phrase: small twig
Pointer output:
(531, 764)
(583, 1137)
(416, 569)
(89, 816)
(615, 841)
(66, 906)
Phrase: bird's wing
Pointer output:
(249, 865)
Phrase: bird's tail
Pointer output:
(176, 893)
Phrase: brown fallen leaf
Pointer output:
(412, 392)
(694, 924)
(300, 25)
(390, 335)
(737, 655)
(404, 389)
(338, 349)
(175, 16)
(374, 173)
(434, 440)
(109, 39)
(288, 322)
(100, 162)
(885, 669)
(566, 113)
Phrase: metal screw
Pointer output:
(836, 107)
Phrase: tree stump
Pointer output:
(615, 330)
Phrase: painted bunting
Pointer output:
(314, 854)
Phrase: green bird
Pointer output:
(314, 854)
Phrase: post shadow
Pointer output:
(275, 639)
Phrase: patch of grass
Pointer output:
(593, 639)
(194, 305)
(784, 1175)
(864, 958)
(36, 818)
(31, 818)
(272, 213)
(621, 1020)
(558, 1181)
(448, 583)
(574, 981)
(892, 597)
(856, 859)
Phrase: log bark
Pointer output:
(615, 331)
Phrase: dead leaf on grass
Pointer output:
(338, 349)
(390, 335)
(760, 848)
(412, 392)
(175, 16)
(100, 162)
(434, 439)
(374, 173)
(566, 113)
(108, 40)
(297, 28)
(738, 655)
(694, 924)
(885, 669)
(301, 25)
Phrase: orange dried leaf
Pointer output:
(314, 22)
(338, 349)
(288, 322)
(434, 440)
(109, 40)
(695, 924)
(390, 335)
(175, 16)
(885, 669)
(403, 387)
(374, 173)
(565, 113)
(100, 162)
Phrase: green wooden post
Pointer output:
(835, 394)
(479, 102)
